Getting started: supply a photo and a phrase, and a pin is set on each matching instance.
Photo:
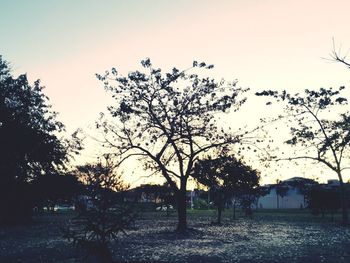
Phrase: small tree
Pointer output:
(249, 191)
(106, 217)
(322, 137)
(246, 201)
(167, 120)
(227, 178)
(281, 191)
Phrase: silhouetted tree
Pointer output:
(165, 194)
(227, 178)
(321, 200)
(323, 138)
(156, 192)
(106, 217)
(281, 191)
(263, 191)
(29, 143)
(249, 191)
(52, 188)
(167, 120)
(304, 185)
(338, 57)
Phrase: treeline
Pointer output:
(168, 122)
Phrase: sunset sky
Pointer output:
(265, 44)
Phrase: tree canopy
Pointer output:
(168, 120)
(226, 177)
(28, 129)
(29, 139)
(319, 123)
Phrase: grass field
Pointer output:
(271, 236)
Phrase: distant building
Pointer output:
(288, 194)
(293, 199)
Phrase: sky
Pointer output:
(264, 44)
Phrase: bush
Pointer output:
(105, 217)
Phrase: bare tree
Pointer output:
(168, 120)
(338, 56)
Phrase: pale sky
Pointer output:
(265, 44)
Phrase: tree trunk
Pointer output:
(234, 210)
(219, 214)
(345, 219)
(167, 210)
(208, 198)
(182, 208)
(282, 206)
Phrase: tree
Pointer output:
(323, 137)
(322, 200)
(227, 178)
(304, 186)
(281, 191)
(163, 194)
(107, 217)
(168, 121)
(30, 146)
(53, 188)
(249, 190)
(166, 194)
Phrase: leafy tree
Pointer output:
(247, 200)
(30, 146)
(321, 200)
(323, 138)
(53, 188)
(227, 178)
(107, 217)
(168, 121)
(249, 191)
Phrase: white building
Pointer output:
(292, 196)
(292, 199)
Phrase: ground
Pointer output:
(270, 236)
